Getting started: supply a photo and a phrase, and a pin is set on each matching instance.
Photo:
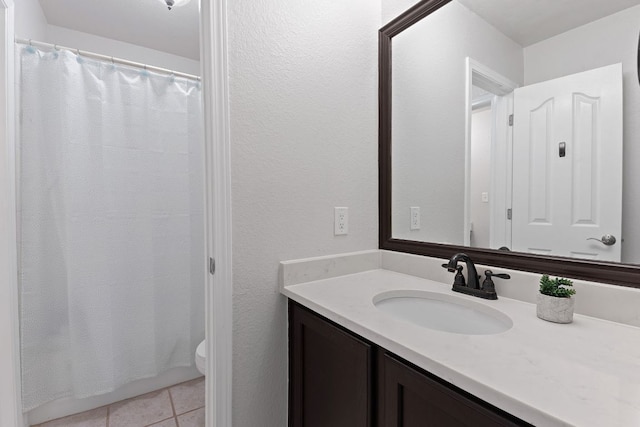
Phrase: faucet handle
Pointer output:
(487, 284)
(490, 274)
(459, 278)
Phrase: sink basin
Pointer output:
(443, 312)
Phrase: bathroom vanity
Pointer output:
(365, 385)
(353, 363)
(537, 205)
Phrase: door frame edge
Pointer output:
(10, 386)
(219, 287)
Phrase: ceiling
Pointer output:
(530, 21)
(145, 23)
(148, 23)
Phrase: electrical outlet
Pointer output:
(485, 197)
(341, 221)
(415, 218)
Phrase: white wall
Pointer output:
(303, 95)
(392, 8)
(428, 124)
(110, 47)
(30, 21)
(32, 24)
(481, 125)
(607, 41)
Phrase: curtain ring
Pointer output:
(112, 61)
(30, 44)
(78, 52)
(55, 47)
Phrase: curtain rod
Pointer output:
(106, 58)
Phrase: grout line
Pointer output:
(173, 411)
(190, 411)
(158, 422)
(168, 389)
(173, 408)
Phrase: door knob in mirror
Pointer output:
(607, 239)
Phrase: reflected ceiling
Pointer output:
(530, 21)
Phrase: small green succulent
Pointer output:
(556, 287)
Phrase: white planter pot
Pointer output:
(554, 309)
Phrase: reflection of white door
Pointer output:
(562, 199)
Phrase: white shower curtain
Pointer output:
(111, 224)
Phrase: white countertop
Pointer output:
(586, 373)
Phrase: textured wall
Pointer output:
(607, 41)
(303, 95)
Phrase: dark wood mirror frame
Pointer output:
(598, 271)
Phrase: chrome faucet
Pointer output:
(487, 290)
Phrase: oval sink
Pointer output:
(443, 312)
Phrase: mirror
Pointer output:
(512, 129)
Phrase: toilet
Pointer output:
(201, 357)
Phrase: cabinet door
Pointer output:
(409, 398)
(330, 374)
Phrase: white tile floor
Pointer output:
(181, 405)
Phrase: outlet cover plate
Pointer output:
(341, 221)
(415, 218)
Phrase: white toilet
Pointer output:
(201, 358)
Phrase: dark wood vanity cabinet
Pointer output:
(330, 373)
(337, 379)
(409, 397)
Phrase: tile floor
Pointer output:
(181, 405)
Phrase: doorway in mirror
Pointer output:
(488, 178)
(544, 163)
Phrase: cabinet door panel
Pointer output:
(330, 374)
(409, 398)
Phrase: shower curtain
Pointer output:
(111, 224)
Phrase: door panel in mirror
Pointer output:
(562, 196)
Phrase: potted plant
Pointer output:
(554, 302)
